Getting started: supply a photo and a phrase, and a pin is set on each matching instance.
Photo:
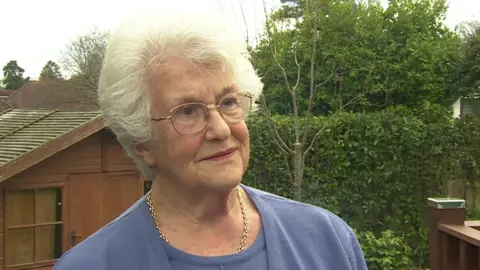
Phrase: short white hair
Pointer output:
(140, 44)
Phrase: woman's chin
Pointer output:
(227, 175)
(223, 181)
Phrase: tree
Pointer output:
(405, 49)
(294, 70)
(318, 58)
(83, 58)
(51, 72)
(287, 44)
(468, 76)
(13, 76)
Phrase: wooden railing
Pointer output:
(453, 242)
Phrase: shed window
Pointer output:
(147, 186)
(34, 225)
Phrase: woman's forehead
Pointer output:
(196, 95)
(173, 67)
(204, 86)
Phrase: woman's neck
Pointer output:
(196, 206)
(205, 222)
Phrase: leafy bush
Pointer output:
(387, 252)
(375, 170)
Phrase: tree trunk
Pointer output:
(298, 155)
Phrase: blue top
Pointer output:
(296, 236)
(255, 257)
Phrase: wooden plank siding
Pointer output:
(114, 158)
(94, 165)
(122, 192)
(83, 157)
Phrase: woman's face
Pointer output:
(184, 159)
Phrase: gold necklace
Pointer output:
(243, 241)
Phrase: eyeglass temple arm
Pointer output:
(160, 118)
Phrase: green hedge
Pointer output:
(374, 170)
(386, 252)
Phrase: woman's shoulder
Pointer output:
(306, 228)
(284, 207)
(300, 218)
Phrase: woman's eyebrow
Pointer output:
(185, 99)
(227, 90)
(192, 97)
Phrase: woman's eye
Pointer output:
(189, 110)
(229, 103)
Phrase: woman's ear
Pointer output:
(143, 150)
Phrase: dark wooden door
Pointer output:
(85, 206)
(97, 199)
(121, 190)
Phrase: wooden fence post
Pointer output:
(445, 211)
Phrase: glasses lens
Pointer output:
(189, 118)
(192, 117)
(246, 101)
(235, 107)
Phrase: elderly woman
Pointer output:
(176, 91)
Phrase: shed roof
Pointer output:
(4, 106)
(30, 136)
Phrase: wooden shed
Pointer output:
(63, 176)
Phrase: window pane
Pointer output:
(147, 185)
(48, 205)
(48, 242)
(19, 246)
(19, 207)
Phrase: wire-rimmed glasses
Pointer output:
(193, 117)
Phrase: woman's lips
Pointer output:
(222, 154)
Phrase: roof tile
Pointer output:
(24, 130)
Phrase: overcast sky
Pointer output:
(35, 31)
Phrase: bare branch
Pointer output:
(299, 69)
(244, 22)
(273, 129)
(302, 169)
(313, 88)
(294, 98)
(284, 72)
(274, 54)
(312, 95)
(352, 101)
(315, 137)
(292, 93)
(221, 7)
(314, 54)
(285, 158)
(289, 172)
(326, 80)
(287, 83)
